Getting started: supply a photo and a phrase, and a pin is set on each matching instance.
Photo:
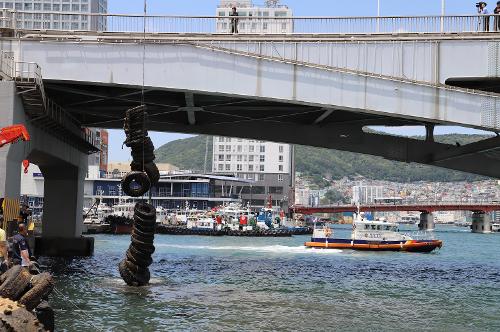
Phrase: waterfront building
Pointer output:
(98, 162)
(268, 165)
(59, 14)
(253, 19)
(174, 191)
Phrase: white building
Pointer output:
(366, 194)
(59, 14)
(253, 19)
(268, 164)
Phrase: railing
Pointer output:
(72, 21)
(30, 72)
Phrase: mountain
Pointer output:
(321, 163)
(187, 153)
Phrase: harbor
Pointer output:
(210, 283)
(239, 165)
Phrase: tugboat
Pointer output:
(378, 235)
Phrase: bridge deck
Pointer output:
(480, 207)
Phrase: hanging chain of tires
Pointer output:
(144, 174)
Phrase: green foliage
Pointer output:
(324, 163)
(188, 153)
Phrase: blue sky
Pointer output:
(300, 8)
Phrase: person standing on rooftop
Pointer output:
(234, 20)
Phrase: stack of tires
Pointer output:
(144, 174)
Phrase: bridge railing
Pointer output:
(73, 21)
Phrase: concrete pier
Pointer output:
(481, 223)
(63, 167)
(426, 221)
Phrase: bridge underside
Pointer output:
(258, 118)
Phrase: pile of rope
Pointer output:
(134, 269)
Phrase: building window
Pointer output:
(239, 168)
(280, 177)
(239, 157)
(280, 159)
(261, 177)
(228, 157)
(250, 168)
(228, 167)
(228, 148)
(250, 158)
(221, 157)
(221, 148)
(280, 168)
(262, 148)
(240, 148)
(262, 158)
(261, 168)
(221, 167)
(251, 148)
(228, 139)
(221, 139)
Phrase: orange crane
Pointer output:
(13, 134)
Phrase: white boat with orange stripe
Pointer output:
(378, 235)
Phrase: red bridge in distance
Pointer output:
(420, 207)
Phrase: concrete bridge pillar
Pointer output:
(481, 222)
(426, 221)
(64, 168)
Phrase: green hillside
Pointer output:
(190, 154)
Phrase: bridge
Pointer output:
(481, 220)
(328, 79)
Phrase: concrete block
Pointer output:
(64, 247)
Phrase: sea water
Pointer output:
(276, 284)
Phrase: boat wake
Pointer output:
(279, 249)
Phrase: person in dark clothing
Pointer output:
(20, 247)
(234, 21)
(496, 11)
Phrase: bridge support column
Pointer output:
(63, 211)
(64, 168)
(426, 221)
(481, 222)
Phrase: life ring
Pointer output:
(142, 183)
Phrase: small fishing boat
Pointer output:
(377, 235)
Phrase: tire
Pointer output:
(136, 268)
(14, 287)
(143, 247)
(42, 285)
(144, 223)
(138, 254)
(140, 233)
(141, 179)
(12, 271)
(145, 239)
(145, 211)
(139, 260)
(131, 278)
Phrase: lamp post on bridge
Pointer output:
(443, 11)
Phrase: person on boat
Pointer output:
(21, 248)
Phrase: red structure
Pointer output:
(427, 207)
